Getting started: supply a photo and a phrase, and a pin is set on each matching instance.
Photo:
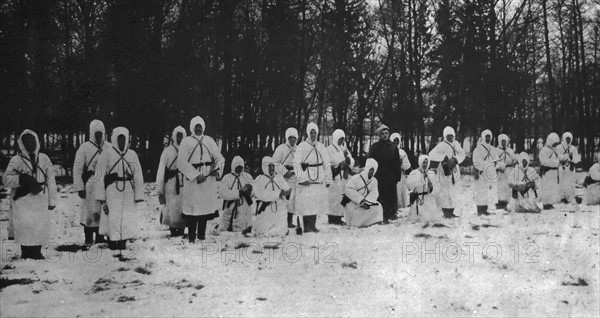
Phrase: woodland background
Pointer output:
(253, 68)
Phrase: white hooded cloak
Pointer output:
(312, 197)
(200, 155)
(425, 207)
(171, 213)
(485, 158)
(592, 191)
(86, 159)
(233, 204)
(284, 155)
(507, 162)
(359, 188)
(446, 188)
(30, 215)
(272, 221)
(521, 174)
(549, 161)
(121, 222)
(567, 171)
(337, 154)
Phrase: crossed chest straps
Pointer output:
(505, 155)
(419, 197)
(126, 170)
(200, 145)
(87, 174)
(262, 205)
(524, 179)
(171, 173)
(313, 165)
(567, 151)
(33, 166)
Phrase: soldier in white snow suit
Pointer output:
(201, 163)
(33, 194)
(485, 162)
(508, 159)
(550, 161)
(85, 180)
(403, 197)
(567, 170)
(341, 163)
(235, 189)
(284, 155)
(169, 182)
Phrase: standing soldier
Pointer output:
(284, 155)
(201, 163)
(567, 170)
(311, 165)
(485, 162)
(168, 185)
(236, 189)
(388, 173)
(85, 180)
(341, 163)
(30, 176)
(446, 156)
(403, 196)
(550, 160)
(120, 186)
(508, 160)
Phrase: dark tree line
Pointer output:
(253, 68)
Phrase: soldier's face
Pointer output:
(425, 164)
(198, 130)
(488, 139)
(524, 162)
(271, 169)
(292, 140)
(121, 142)
(503, 143)
(98, 137)
(341, 141)
(313, 135)
(179, 138)
(385, 135)
(396, 141)
(371, 173)
(568, 140)
(239, 169)
(29, 143)
(450, 138)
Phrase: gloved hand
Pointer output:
(364, 205)
(200, 178)
(105, 209)
(430, 185)
(81, 194)
(161, 199)
(304, 166)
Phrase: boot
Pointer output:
(299, 228)
(112, 245)
(548, 207)
(36, 252)
(25, 252)
(501, 205)
(578, 200)
(291, 221)
(449, 213)
(247, 230)
(335, 219)
(202, 229)
(482, 210)
(175, 232)
(192, 231)
(122, 244)
(89, 235)
(99, 238)
(310, 224)
(564, 200)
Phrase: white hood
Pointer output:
(22, 147)
(195, 121)
(115, 134)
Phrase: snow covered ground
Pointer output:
(502, 265)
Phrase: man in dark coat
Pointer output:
(385, 152)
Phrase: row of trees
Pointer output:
(253, 68)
